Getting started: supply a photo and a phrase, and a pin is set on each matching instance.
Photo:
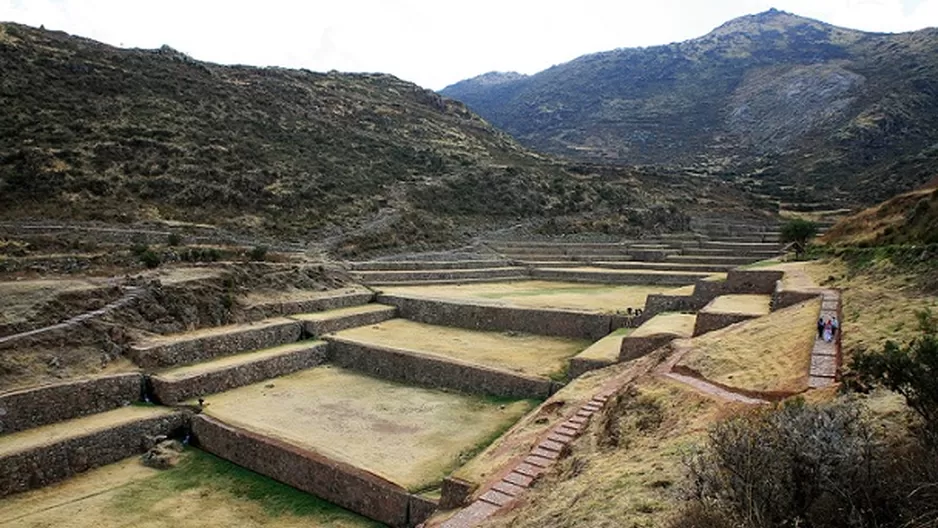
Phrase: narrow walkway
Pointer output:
(825, 356)
(680, 348)
(713, 390)
(131, 295)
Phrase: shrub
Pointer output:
(174, 239)
(258, 253)
(150, 259)
(793, 465)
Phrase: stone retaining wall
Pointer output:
(266, 310)
(413, 265)
(612, 277)
(413, 368)
(51, 463)
(785, 298)
(751, 281)
(541, 321)
(194, 350)
(737, 282)
(710, 321)
(579, 366)
(636, 347)
(440, 275)
(347, 486)
(33, 407)
(319, 327)
(170, 391)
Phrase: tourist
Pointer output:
(828, 331)
(820, 327)
(835, 326)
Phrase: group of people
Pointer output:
(827, 329)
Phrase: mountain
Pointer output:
(96, 133)
(787, 106)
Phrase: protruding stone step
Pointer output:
(209, 343)
(177, 385)
(411, 265)
(318, 324)
(41, 456)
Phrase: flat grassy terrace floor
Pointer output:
(600, 298)
(411, 436)
(744, 304)
(203, 491)
(529, 354)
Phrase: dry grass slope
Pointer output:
(769, 354)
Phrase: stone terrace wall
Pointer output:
(27, 408)
(342, 484)
(274, 309)
(785, 298)
(611, 277)
(210, 346)
(737, 282)
(636, 347)
(579, 366)
(429, 371)
(710, 321)
(51, 463)
(169, 391)
(751, 281)
(560, 323)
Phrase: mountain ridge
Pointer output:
(771, 100)
(97, 133)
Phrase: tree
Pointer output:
(798, 232)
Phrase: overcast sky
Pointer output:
(431, 42)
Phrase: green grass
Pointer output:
(199, 469)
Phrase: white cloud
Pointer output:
(429, 42)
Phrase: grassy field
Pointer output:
(202, 491)
(411, 436)
(602, 298)
(771, 353)
(524, 353)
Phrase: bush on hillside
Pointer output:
(794, 465)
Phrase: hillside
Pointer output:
(100, 134)
(909, 218)
(781, 104)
